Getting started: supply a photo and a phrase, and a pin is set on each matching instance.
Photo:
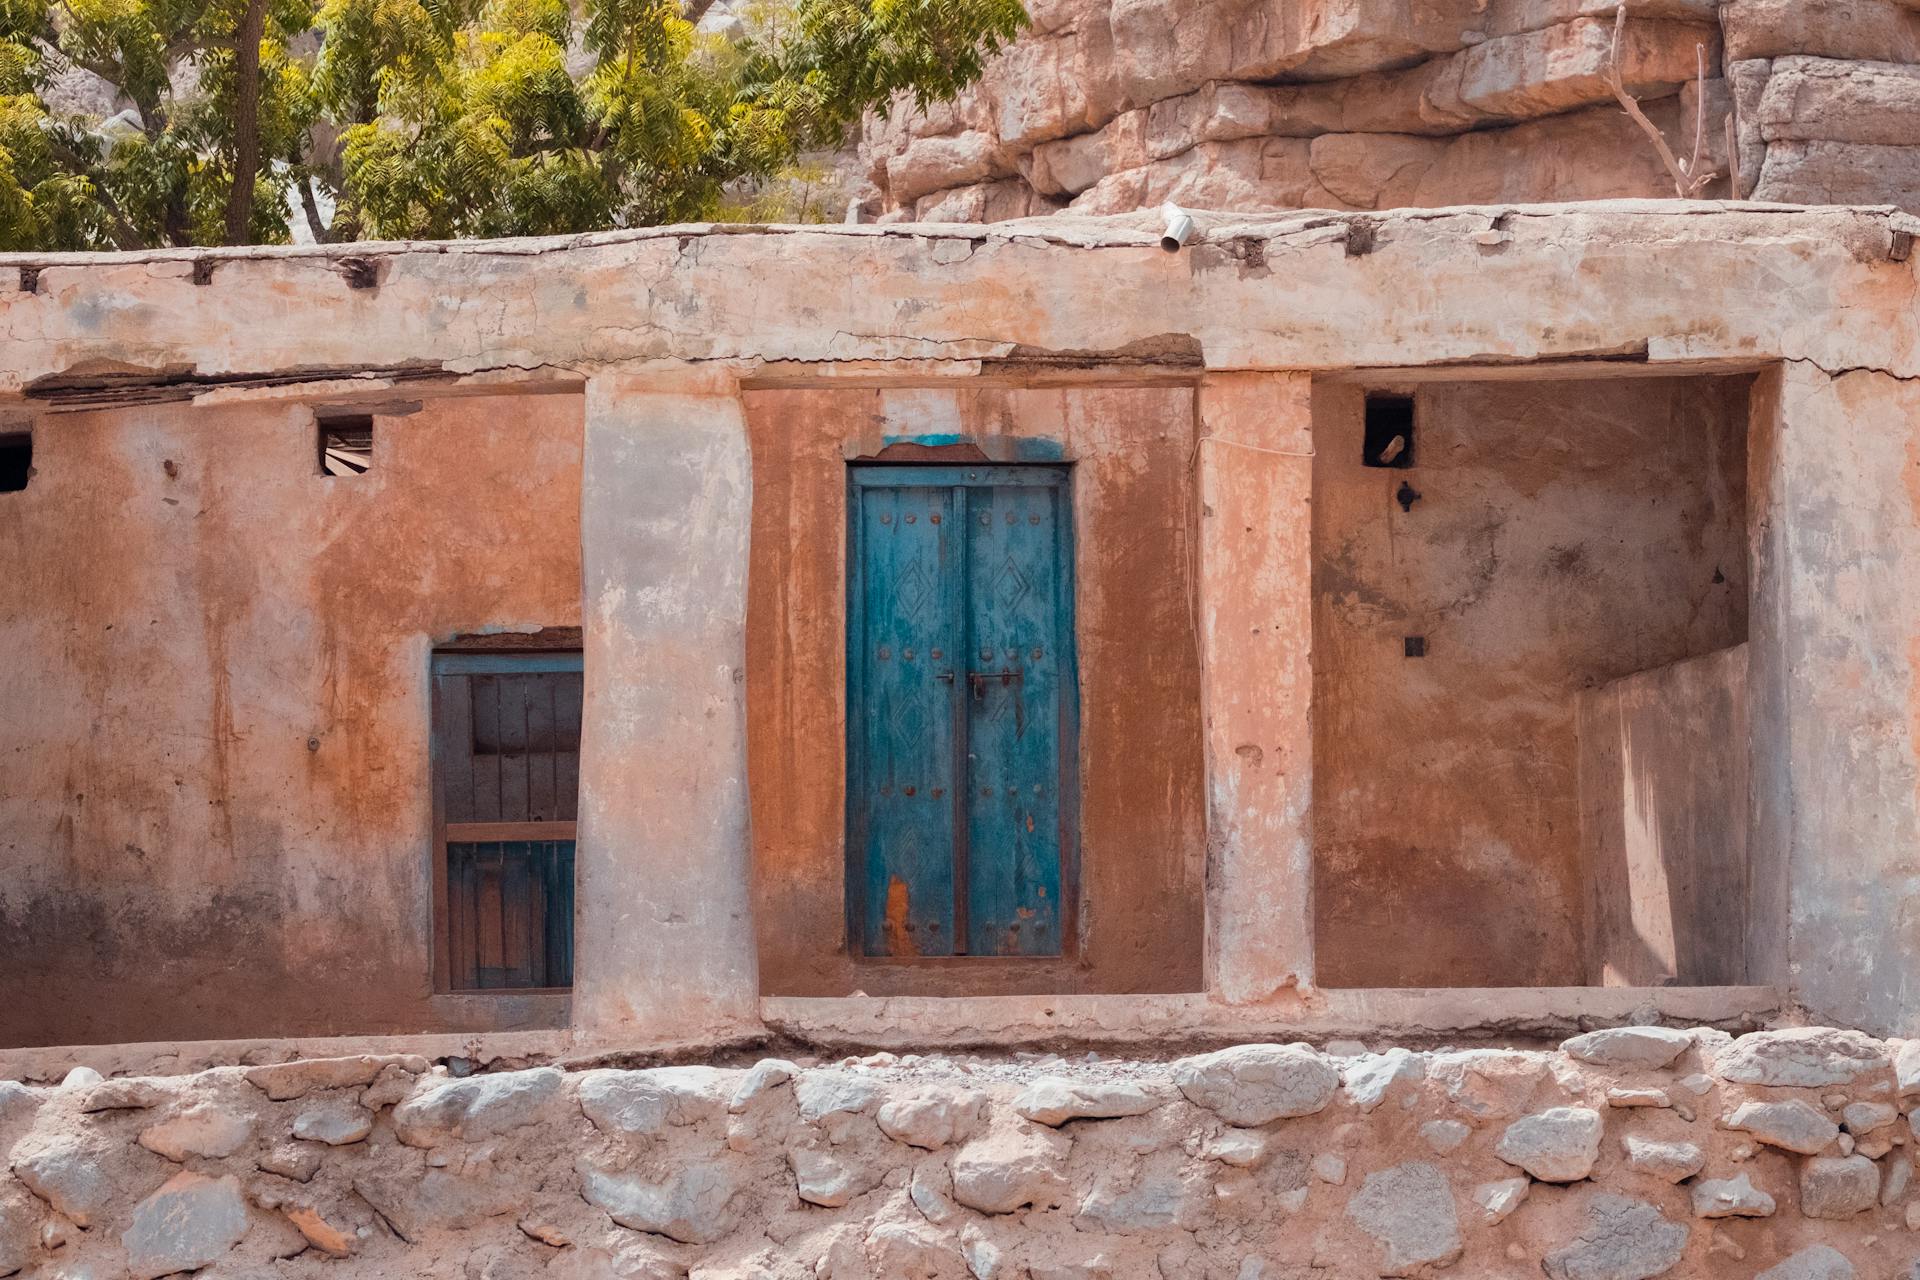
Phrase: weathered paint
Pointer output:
(664, 933)
(1139, 757)
(1567, 534)
(1256, 635)
(214, 813)
(962, 795)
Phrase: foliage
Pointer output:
(448, 118)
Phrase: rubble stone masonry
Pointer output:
(1625, 1154)
(1109, 105)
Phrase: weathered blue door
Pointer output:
(961, 710)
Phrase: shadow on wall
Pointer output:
(1664, 775)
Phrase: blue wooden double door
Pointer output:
(961, 711)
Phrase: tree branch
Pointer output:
(1686, 184)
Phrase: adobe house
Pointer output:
(1451, 625)
(660, 632)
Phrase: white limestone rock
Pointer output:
(1906, 1069)
(1330, 1167)
(285, 1081)
(1372, 1079)
(642, 1103)
(824, 1094)
(68, 1175)
(1010, 1167)
(1838, 1186)
(1629, 1048)
(927, 1118)
(1054, 1100)
(694, 1205)
(477, 1107)
(120, 1095)
(1623, 1239)
(20, 1216)
(1156, 1196)
(293, 1160)
(1815, 1262)
(824, 1179)
(1668, 1161)
(1863, 1118)
(1730, 1198)
(1792, 1125)
(1801, 1057)
(1557, 1145)
(1498, 1200)
(188, 1223)
(206, 1129)
(766, 1075)
(441, 1200)
(337, 1124)
(1238, 1148)
(1409, 1211)
(81, 1078)
(1256, 1084)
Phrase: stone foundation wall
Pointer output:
(1105, 106)
(1623, 1155)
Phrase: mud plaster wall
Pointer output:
(214, 815)
(1567, 534)
(1140, 776)
(1664, 770)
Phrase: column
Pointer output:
(1256, 633)
(664, 942)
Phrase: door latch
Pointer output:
(977, 681)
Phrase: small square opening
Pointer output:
(346, 444)
(16, 461)
(1389, 433)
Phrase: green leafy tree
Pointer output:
(444, 118)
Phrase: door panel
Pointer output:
(910, 590)
(960, 710)
(1013, 724)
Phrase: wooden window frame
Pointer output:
(555, 649)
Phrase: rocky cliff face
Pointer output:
(1111, 105)
(1626, 1154)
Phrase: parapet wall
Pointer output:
(1624, 1155)
(1109, 105)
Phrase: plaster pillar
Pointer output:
(664, 941)
(1836, 679)
(1255, 475)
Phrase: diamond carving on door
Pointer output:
(962, 711)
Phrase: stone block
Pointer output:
(284, 1081)
(205, 1129)
(1623, 1239)
(1629, 1048)
(1011, 1167)
(935, 164)
(1054, 1100)
(1815, 1262)
(694, 1204)
(638, 1103)
(1821, 99)
(1557, 1145)
(1838, 1186)
(1730, 1198)
(1409, 1212)
(1792, 1125)
(1559, 68)
(1668, 1161)
(1840, 173)
(1867, 29)
(1256, 1084)
(477, 1107)
(1372, 1080)
(1372, 170)
(190, 1222)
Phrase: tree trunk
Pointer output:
(246, 121)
